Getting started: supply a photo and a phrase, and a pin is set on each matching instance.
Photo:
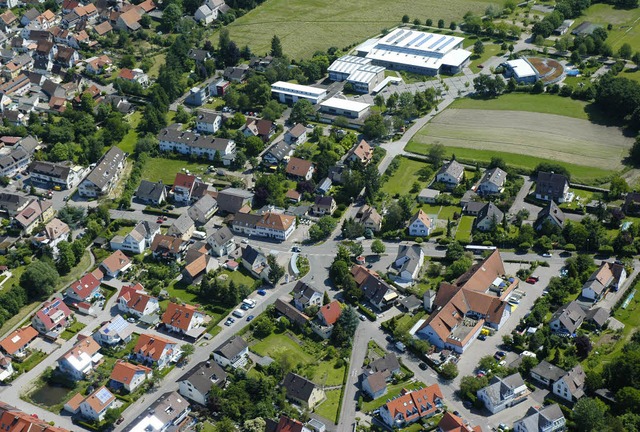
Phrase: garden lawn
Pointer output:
(403, 178)
(392, 391)
(279, 344)
(157, 62)
(177, 289)
(463, 233)
(490, 49)
(407, 321)
(442, 212)
(128, 143)
(330, 408)
(239, 277)
(306, 26)
(581, 199)
(541, 103)
(327, 374)
(159, 168)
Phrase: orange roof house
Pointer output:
(330, 313)
(182, 318)
(300, 168)
(18, 341)
(412, 406)
(361, 152)
(116, 263)
(154, 350)
(128, 375)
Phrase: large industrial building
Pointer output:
(417, 52)
(289, 93)
(358, 71)
(344, 107)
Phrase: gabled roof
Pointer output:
(548, 371)
(422, 217)
(116, 261)
(162, 243)
(152, 346)
(453, 168)
(276, 221)
(185, 181)
(414, 404)
(232, 199)
(124, 372)
(298, 387)
(453, 423)
(495, 176)
(360, 273)
(179, 316)
(100, 399)
(303, 292)
(32, 212)
(297, 130)
(570, 316)
(489, 211)
(298, 167)
(54, 309)
(283, 306)
(388, 363)
(221, 236)
(86, 285)
(575, 379)
(287, 424)
(135, 296)
(56, 229)
(552, 211)
(107, 167)
(231, 347)
(362, 151)
(182, 225)
(15, 420)
(552, 184)
(375, 289)
(205, 375)
(540, 419)
(331, 312)
(18, 339)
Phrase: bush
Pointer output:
(606, 250)
(419, 240)
(366, 312)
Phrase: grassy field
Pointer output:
(330, 408)
(177, 289)
(442, 212)
(305, 26)
(157, 62)
(546, 104)
(463, 232)
(166, 169)
(128, 143)
(239, 277)
(403, 178)
(490, 49)
(625, 24)
(327, 374)
(277, 345)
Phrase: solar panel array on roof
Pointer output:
(437, 42)
(445, 44)
(415, 39)
(104, 395)
(396, 36)
(425, 40)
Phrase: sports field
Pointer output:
(546, 136)
(305, 26)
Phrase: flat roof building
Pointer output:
(344, 107)
(358, 71)
(291, 93)
(416, 51)
(521, 70)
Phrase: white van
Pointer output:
(249, 302)
(238, 313)
(199, 235)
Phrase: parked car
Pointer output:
(482, 337)
(262, 292)
(422, 366)
(499, 355)
(546, 255)
(362, 318)
(250, 317)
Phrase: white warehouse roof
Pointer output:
(345, 104)
(283, 86)
(521, 68)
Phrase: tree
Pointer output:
(66, 258)
(377, 247)
(634, 151)
(39, 279)
(263, 327)
(449, 371)
(273, 110)
(453, 25)
(111, 416)
(375, 127)
(170, 17)
(589, 414)
(488, 86)
(469, 385)
(440, 23)
(276, 271)
(345, 327)
(478, 47)
(323, 228)
(405, 19)
(253, 146)
(257, 424)
(187, 350)
(428, 22)
(325, 298)
(436, 155)
(625, 51)
(619, 186)
(301, 111)
(276, 47)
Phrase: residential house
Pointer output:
(115, 264)
(568, 318)
(54, 232)
(492, 182)
(598, 317)
(550, 216)
(168, 248)
(134, 76)
(323, 205)
(189, 143)
(286, 309)
(421, 225)
(15, 420)
(231, 200)
(104, 176)
(155, 351)
(184, 319)
(208, 121)
(52, 318)
(304, 296)
(451, 174)
(84, 290)
(472, 208)
(232, 352)
(374, 384)
(277, 153)
(571, 386)
(360, 152)
(187, 188)
(196, 384)
(255, 262)
(236, 74)
(81, 360)
(286, 424)
(369, 217)
(221, 242)
(140, 238)
(489, 217)
(454, 423)
(203, 209)
(542, 419)
(412, 406)
(53, 173)
(502, 393)
(183, 227)
(296, 135)
(16, 344)
(552, 186)
(477, 298)
(409, 262)
(324, 186)
(134, 300)
(114, 332)
(151, 193)
(96, 405)
(326, 318)
(6, 367)
(166, 413)
(12, 204)
(103, 28)
(302, 391)
(299, 169)
(377, 292)
(208, 12)
(98, 65)
(272, 225)
(547, 373)
(609, 276)
(293, 196)
(36, 213)
(128, 376)
(260, 128)
(428, 196)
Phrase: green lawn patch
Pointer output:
(327, 374)
(158, 61)
(403, 178)
(159, 168)
(490, 50)
(330, 408)
(30, 362)
(178, 289)
(406, 321)
(276, 345)
(540, 103)
(441, 212)
(463, 233)
(239, 277)
(392, 391)
(624, 21)
(72, 330)
(581, 199)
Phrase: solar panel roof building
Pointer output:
(358, 71)
(416, 51)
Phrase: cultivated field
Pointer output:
(545, 136)
(305, 26)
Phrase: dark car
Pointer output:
(389, 338)
(457, 413)
(262, 292)
(499, 355)
(467, 404)
(422, 366)
(482, 337)
(250, 317)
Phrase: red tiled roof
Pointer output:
(415, 404)
(85, 286)
(331, 312)
(116, 261)
(151, 346)
(18, 339)
(124, 372)
(179, 316)
(298, 167)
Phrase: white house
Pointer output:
(421, 225)
(492, 182)
(61, 175)
(203, 209)
(115, 264)
(104, 176)
(296, 135)
(184, 319)
(80, 360)
(233, 352)
(84, 289)
(172, 139)
(409, 262)
(300, 169)
(208, 121)
(114, 332)
(95, 406)
(155, 350)
(571, 386)
(134, 300)
(128, 376)
(304, 295)
(221, 242)
(451, 174)
(196, 384)
(502, 393)
(609, 276)
(545, 419)
(139, 239)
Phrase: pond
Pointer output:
(49, 395)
